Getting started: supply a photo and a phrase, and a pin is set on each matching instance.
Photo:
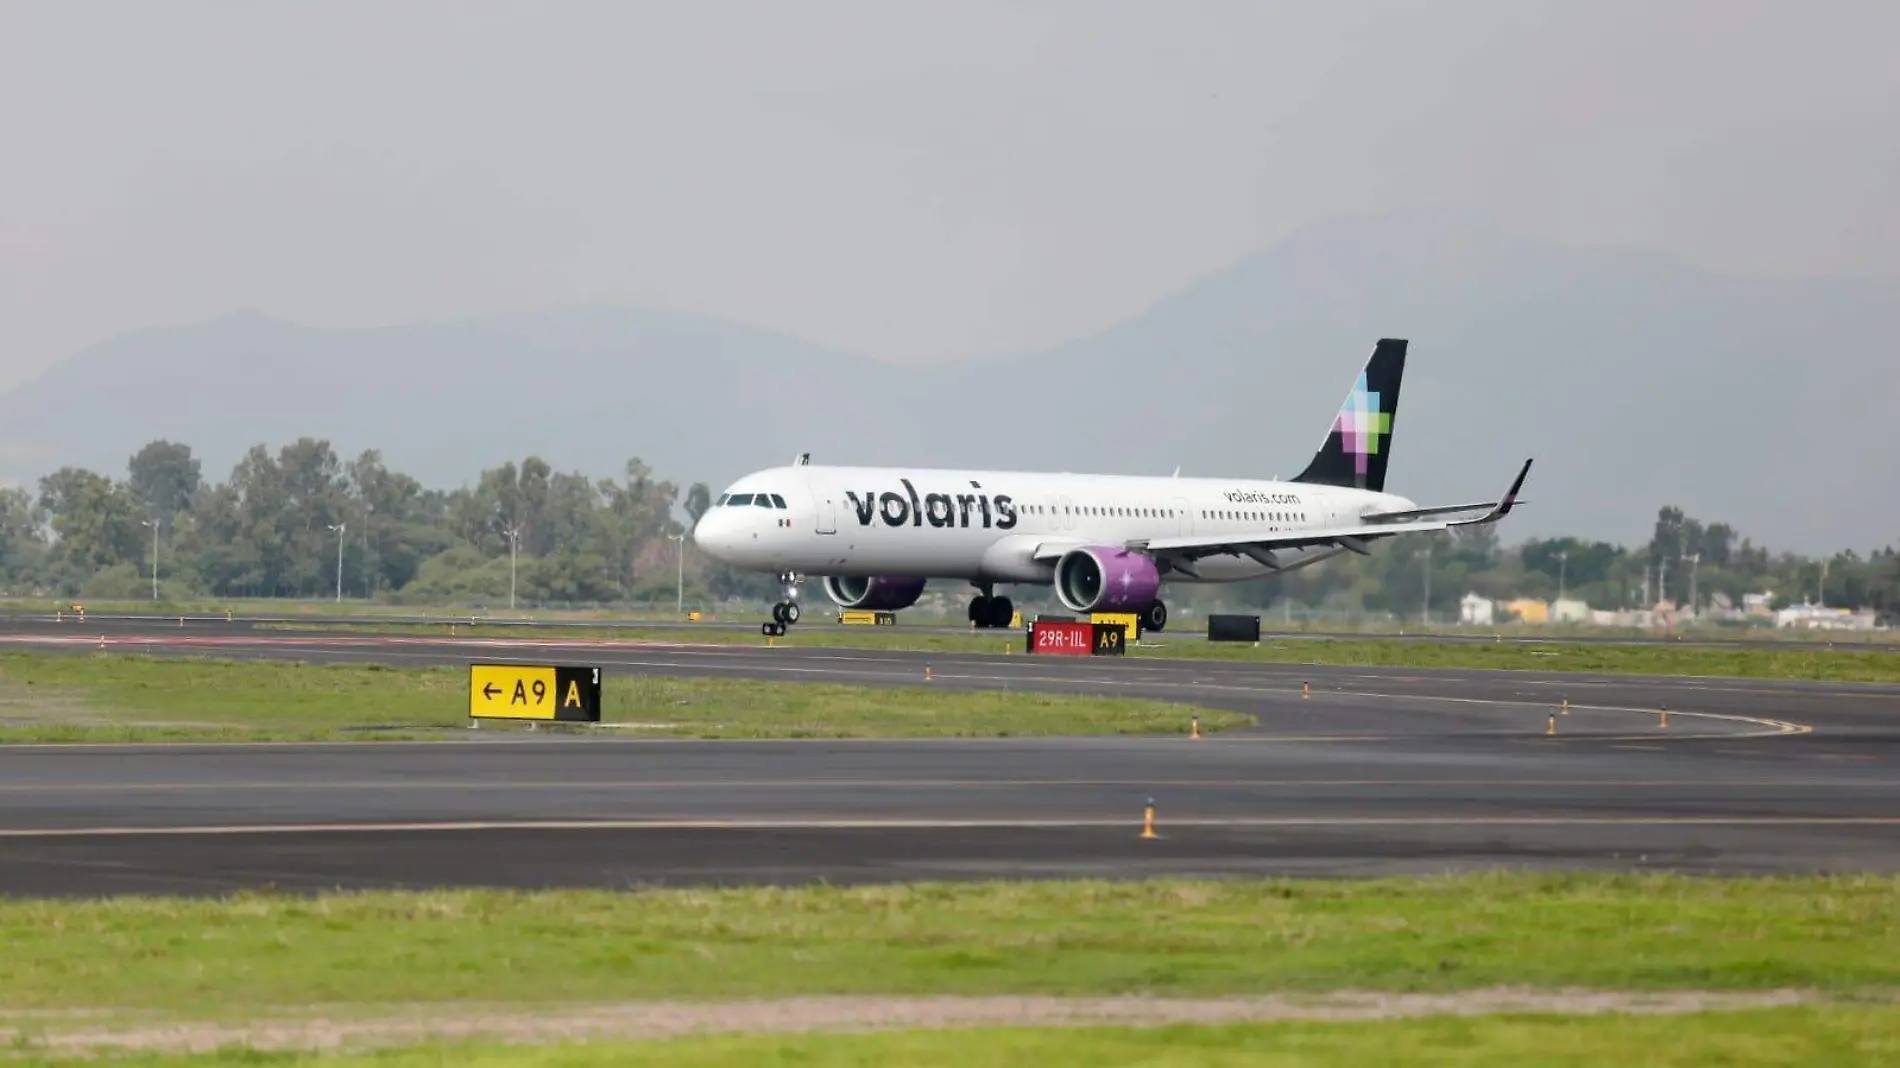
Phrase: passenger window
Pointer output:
(778, 501)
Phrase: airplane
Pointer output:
(1106, 543)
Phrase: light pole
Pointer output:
(514, 547)
(1563, 564)
(153, 523)
(369, 580)
(1695, 565)
(679, 601)
(338, 527)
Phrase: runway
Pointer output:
(1182, 631)
(1367, 771)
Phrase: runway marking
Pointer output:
(1294, 822)
(1275, 670)
(1701, 683)
(499, 785)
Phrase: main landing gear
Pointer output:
(1155, 616)
(990, 612)
(784, 613)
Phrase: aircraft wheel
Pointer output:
(980, 611)
(770, 630)
(790, 615)
(1155, 616)
(1000, 612)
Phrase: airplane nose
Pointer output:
(716, 533)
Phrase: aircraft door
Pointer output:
(824, 505)
(1183, 517)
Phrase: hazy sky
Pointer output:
(913, 181)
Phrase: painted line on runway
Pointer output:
(1294, 822)
(1275, 669)
(503, 785)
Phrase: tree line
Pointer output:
(1685, 560)
(303, 521)
(276, 525)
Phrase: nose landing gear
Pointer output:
(784, 613)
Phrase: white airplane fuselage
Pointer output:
(1104, 542)
(988, 526)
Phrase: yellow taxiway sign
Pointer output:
(526, 691)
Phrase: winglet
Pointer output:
(1505, 503)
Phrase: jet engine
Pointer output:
(1106, 578)
(876, 594)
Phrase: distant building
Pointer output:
(1820, 617)
(1569, 610)
(1530, 610)
(1475, 610)
(1758, 604)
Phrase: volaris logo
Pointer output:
(1362, 425)
(937, 509)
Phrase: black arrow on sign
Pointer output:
(489, 691)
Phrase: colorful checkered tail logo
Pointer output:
(1360, 440)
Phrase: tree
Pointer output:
(698, 500)
(164, 479)
(95, 522)
(22, 538)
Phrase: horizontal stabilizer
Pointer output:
(1354, 537)
(1424, 513)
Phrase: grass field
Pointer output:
(116, 697)
(1799, 1038)
(1791, 661)
(167, 968)
(1072, 938)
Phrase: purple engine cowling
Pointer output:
(876, 594)
(1106, 578)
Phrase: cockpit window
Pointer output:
(739, 499)
(721, 500)
(778, 501)
(762, 500)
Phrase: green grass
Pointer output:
(1791, 661)
(1799, 1038)
(113, 697)
(1071, 938)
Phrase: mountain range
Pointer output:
(1635, 379)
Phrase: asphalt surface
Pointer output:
(1364, 771)
(1188, 630)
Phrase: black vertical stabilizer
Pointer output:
(1360, 441)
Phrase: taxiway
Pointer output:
(1347, 771)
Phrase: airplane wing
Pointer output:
(1354, 536)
